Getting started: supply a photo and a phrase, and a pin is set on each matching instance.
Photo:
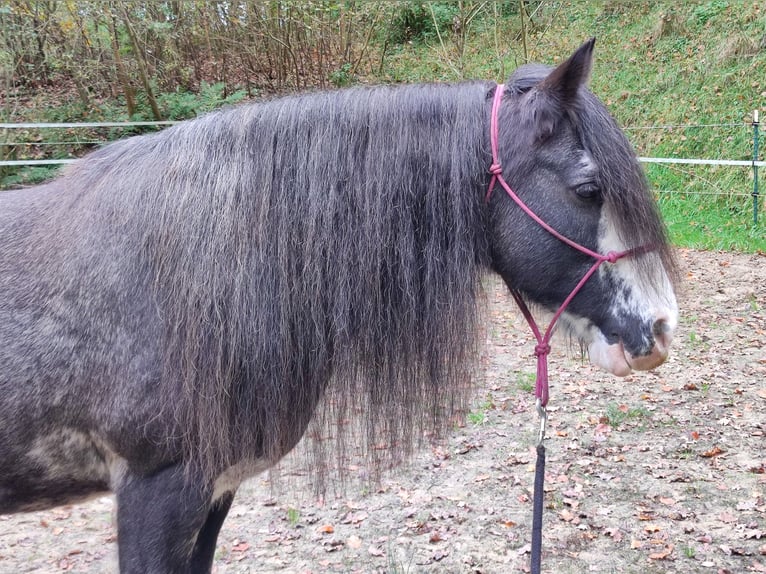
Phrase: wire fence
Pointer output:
(710, 190)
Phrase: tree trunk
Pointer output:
(141, 62)
(122, 76)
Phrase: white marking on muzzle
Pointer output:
(649, 300)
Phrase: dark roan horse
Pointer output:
(176, 308)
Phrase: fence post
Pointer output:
(755, 167)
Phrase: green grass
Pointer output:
(617, 416)
(700, 223)
(478, 416)
(657, 64)
(28, 175)
(293, 516)
(525, 382)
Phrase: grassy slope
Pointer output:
(658, 63)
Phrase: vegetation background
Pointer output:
(682, 78)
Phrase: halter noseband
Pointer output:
(543, 348)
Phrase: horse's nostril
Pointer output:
(663, 333)
(660, 327)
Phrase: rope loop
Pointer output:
(496, 169)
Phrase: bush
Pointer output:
(182, 105)
(342, 77)
(414, 21)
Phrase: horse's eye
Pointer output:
(588, 191)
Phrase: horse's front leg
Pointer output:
(204, 548)
(167, 523)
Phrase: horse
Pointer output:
(178, 309)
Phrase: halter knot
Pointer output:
(542, 349)
(612, 256)
(496, 169)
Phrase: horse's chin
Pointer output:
(615, 360)
(611, 358)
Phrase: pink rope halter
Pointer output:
(543, 347)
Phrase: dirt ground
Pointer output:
(659, 472)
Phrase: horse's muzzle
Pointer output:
(616, 359)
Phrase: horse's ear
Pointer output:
(564, 81)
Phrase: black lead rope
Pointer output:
(537, 510)
(539, 495)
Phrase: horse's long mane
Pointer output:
(324, 246)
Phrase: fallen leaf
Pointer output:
(327, 529)
(241, 547)
(355, 517)
(663, 554)
(375, 551)
(465, 448)
(727, 517)
(715, 451)
(602, 428)
(566, 516)
(354, 542)
(614, 533)
(508, 523)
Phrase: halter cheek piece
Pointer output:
(543, 348)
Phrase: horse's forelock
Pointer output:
(526, 77)
(625, 190)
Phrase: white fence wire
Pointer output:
(69, 125)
